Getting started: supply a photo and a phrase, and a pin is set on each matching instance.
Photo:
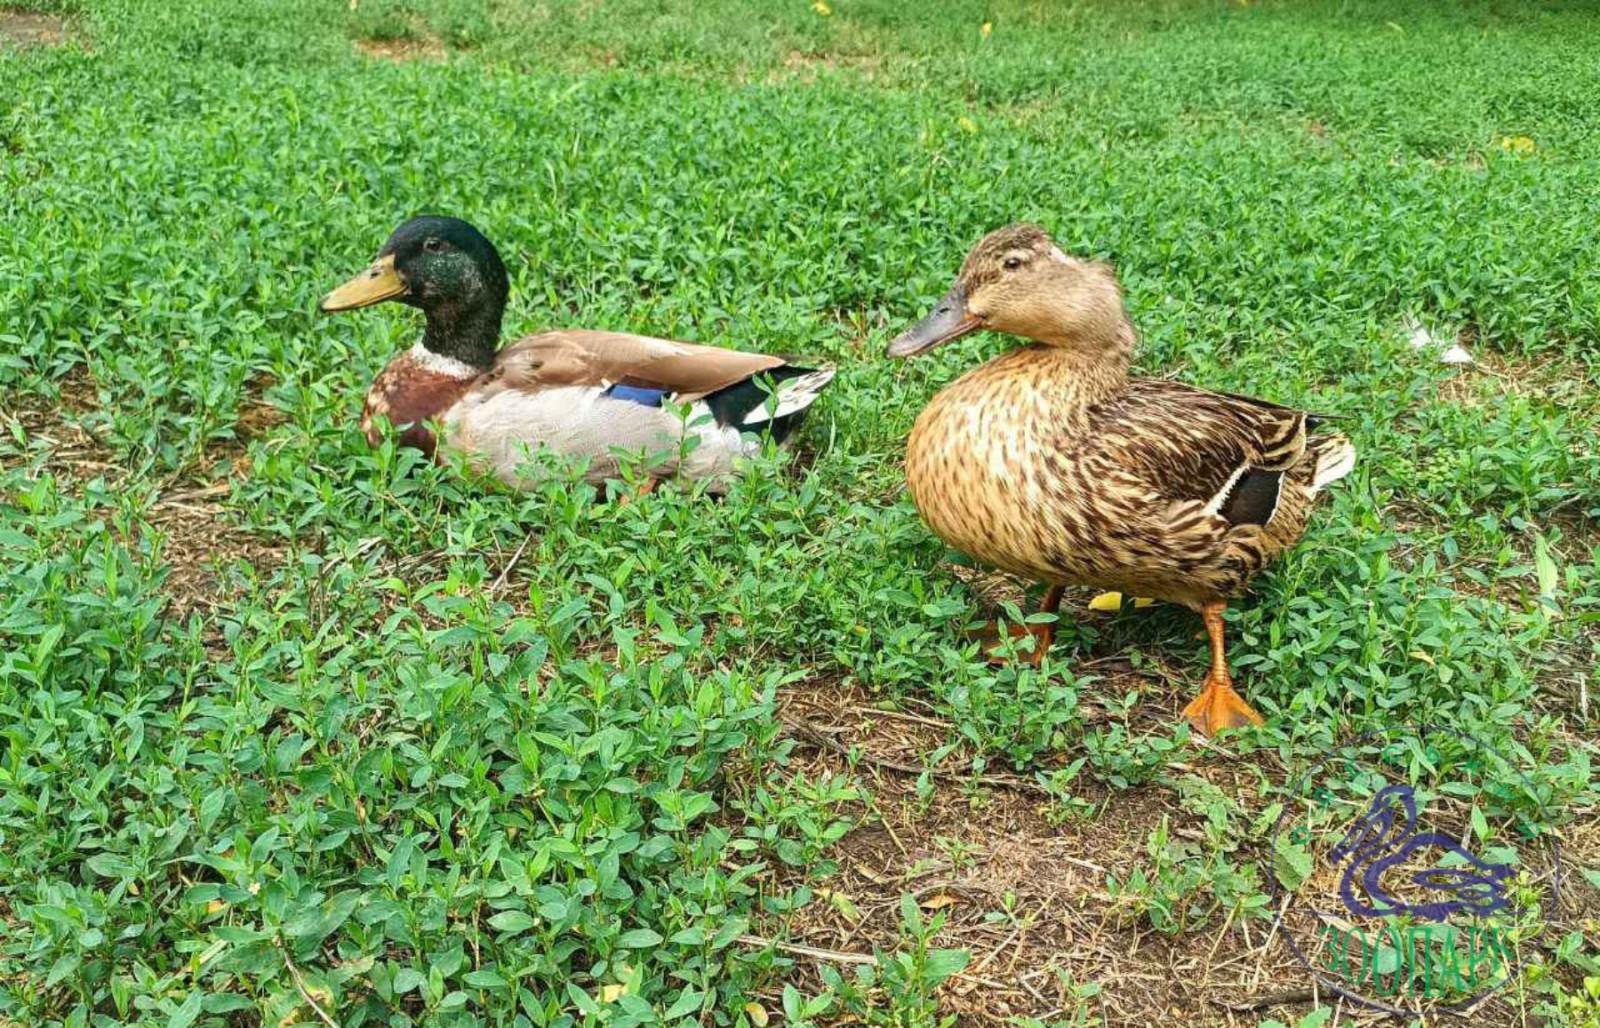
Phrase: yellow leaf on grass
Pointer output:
(938, 901)
(756, 1013)
(967, 124)
(822, 8)
(215, 905)
(988, 27)
(1420, 655)
(1520, 145)
(1106, 601)
(612, 993)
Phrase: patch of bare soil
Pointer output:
(202, 545)
(1492, 376)
(1024, 886)
(401, 50)
(1024, 892)
(204, 549)
(20, 28)
(805, 67)
(255, 419)
(198, 540)
(1025, 112)
(57, 426)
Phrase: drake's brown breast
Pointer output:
(408, 395)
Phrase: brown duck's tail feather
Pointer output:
(1334, 456)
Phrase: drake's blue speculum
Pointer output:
(643, 397)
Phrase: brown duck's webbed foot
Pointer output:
(1219, 705)
(1043, 635)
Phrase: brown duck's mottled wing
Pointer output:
(1187, 445)
(585, 357)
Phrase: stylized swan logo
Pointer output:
(1377, 842)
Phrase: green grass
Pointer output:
(432, 753)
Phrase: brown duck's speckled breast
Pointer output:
(979, 473)
(1007, 465)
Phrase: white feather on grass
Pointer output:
(1424, 339)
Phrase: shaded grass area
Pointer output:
(293, 725)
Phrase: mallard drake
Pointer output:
(595, 396)
(1052, 463)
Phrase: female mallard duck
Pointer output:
(1050, 462)
(582, 394)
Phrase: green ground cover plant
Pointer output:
(292, 730)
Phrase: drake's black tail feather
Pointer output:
(749, 404)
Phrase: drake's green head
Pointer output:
(448, 270)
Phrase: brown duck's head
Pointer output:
(1018, 281)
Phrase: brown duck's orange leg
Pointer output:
(1043, 635)
(1218, 706)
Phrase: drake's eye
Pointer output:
(433, 245)
(1013, 263)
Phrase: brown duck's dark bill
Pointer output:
(948, 320)
(378, 283)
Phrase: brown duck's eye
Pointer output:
(1012, 263)
(433, 245)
